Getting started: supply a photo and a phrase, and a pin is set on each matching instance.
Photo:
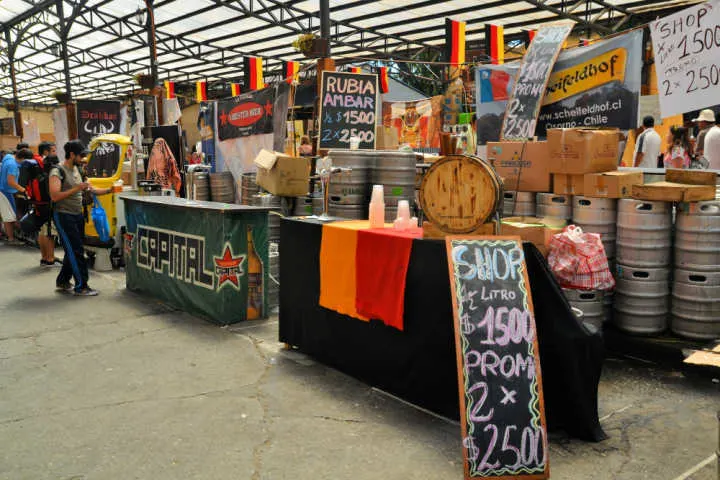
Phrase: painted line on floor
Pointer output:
(416, 407)
(696, 468)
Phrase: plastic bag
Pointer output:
(578, 260)
(99, 218)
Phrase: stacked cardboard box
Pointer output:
(584, 162)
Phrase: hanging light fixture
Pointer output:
(55, 50)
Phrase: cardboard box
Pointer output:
(611, 184)
(564, 184)
(281, 174)
(386, 138)
(583, 150)
(527, 160)
(531, 229)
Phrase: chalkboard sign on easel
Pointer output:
(523, 108)
(501, 401)
(348, 108)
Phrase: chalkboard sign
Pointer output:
(501, 402)
(522, 109)
(348, 108)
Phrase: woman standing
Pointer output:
(678, 154)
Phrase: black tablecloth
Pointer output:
(419, 363)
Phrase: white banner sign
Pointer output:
(687, 58)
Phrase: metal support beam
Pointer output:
(63, 48)
(325, 23)
(150, 27)
(13, 81)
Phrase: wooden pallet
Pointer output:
(674, 192)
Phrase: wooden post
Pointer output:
(71, 121)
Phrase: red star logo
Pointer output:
(268, 109)
(223, 118)
(228, 268)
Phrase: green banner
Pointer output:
(196, 258)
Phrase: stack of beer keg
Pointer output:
(273, 202)
(518, 204)
(395, 171)
(222, 187)
(349, 191)
(644, 248)
(696, 285)
(599, 215)
(553, 205)
(248, 188)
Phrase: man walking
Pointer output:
(705, 121)
(46, 239)
(66, 187)
(647, 146)
(9, 186)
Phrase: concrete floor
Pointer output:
(123, 387)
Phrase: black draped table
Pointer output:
(419, 363)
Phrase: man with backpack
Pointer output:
(66, 186)
(9, 186)
(38, 189)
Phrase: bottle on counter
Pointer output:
(255, 280)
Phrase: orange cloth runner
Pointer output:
(383, 256)
(337, 266)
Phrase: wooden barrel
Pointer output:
(459, 193)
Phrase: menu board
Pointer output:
(502, 412)
(348, 108)
(527, 96)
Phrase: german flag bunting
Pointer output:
(384, 80)
(201, 91)
(292, 71)
(455, 41)
(234, 89)
(169, 89)
(355, 70)
(254, 73)
(495, 43)
(529, 35)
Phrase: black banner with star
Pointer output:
(248, 114)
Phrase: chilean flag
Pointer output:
(494, 85)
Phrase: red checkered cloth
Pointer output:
(578, 260)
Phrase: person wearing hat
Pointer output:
(704, 121)
(711, 148)
(66, 187)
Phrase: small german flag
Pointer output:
(384, 80)
(234, 89)
(254, 73)
(291, 70)
(529, 35)
(495, 43)
(584, 42)
(201, 91)
(169, 89)
(455, 42)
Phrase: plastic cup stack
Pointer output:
(377, 207)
